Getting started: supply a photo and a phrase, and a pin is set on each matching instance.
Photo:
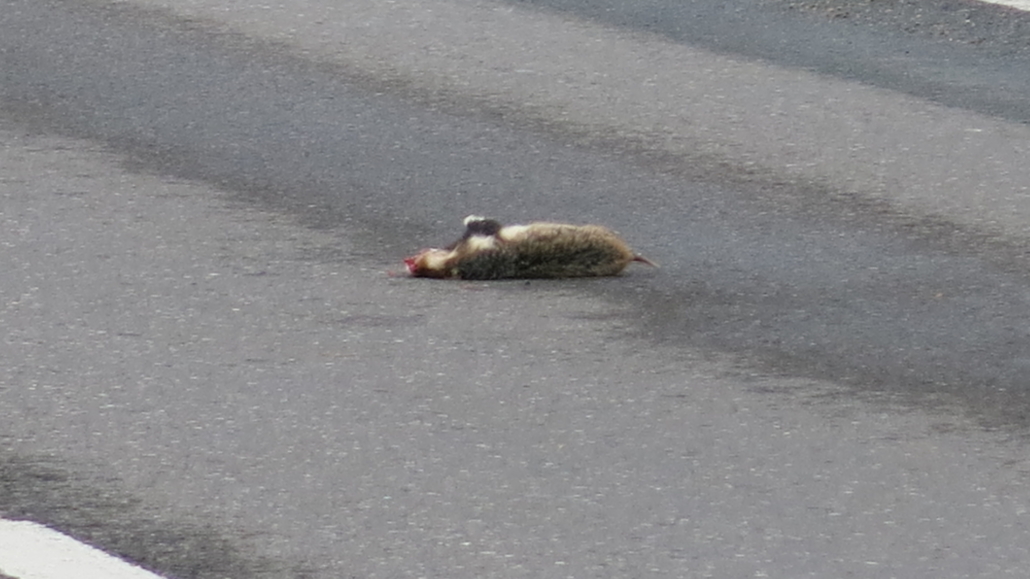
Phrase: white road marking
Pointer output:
(1017, 4)
(32, 551)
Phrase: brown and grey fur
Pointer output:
(537, 250)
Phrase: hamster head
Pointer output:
(430, 263)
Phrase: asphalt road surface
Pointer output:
(208, 368)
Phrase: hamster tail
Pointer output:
(643, 259)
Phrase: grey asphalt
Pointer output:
(962, 54)
(208, 368)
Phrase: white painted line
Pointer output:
(1017, 4)
(32, 551)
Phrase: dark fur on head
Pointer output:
(476, 225)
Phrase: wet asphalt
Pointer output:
(208, 369)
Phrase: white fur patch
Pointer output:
(513, 232)
(473, 219)
(481, 242)
(436, 259)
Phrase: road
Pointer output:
(207, 368)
